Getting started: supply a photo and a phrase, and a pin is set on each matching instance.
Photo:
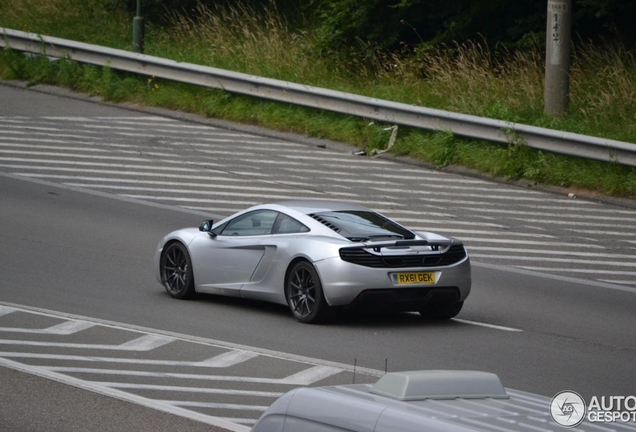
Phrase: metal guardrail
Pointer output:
(314, 97)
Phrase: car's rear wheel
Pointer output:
(304, 294)
(176, 271)
(441, 311)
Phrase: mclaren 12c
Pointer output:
(317, 257)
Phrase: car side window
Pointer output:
(258, 222)
(287, 225)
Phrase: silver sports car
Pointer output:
(317, 257)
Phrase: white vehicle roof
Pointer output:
(315, 206)
(419, 401)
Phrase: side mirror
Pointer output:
(206, 226)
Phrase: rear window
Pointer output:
(362, 225)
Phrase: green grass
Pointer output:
(471, 79)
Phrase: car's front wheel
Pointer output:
(441, 311)
(304, 294)
(176, 271)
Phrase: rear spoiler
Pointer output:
(435, 244)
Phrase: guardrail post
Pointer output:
(557, 57)
(138, 30)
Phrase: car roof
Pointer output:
(436, 400)
(316, 206)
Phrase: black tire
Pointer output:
(176, 271)
(304, 294)
(441, 311)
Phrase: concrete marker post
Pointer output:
(557, 61)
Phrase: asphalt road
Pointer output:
(29, 403)
(69, 250)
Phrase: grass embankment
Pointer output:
(470, 79)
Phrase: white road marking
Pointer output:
(592, 208)
(385, 173)
(66, 328)
(262, 144)
(92, 141)
(29, 128)
(498, 234)
(130, 397)
(492, 326)
(549, 216)
(620, 282)
(76, 156)
(463, 188)
(552, 260)
(165, 133)
(228, 359)
(258, 198)
(588, 271)
(49, 134)
(501, 194)
(5, 310)
(308, 377)
(574, 225)
(209, 184)
(220, 202)
(113, 118)
(428, 175)
(254, 147)
(100, 164)
(216, 405)
(214, 190)
(193, 339)
(177, 125)
(215, 209)
(136, 180)
(425, 215)
(203, 390)
(450, 223)
(56, 147)
(239, 420)
(550, 252)
(132, 173)
(312, 375)
(453, 198)
(605, 233)
(530, 242)
(231, 358)
(144, 343)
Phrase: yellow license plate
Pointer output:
(416, 278)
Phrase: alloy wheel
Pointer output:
(303, 292)
(176, 270)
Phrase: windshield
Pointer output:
(363, 225)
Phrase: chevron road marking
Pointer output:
(144, 343)
(130, 397)
(555, 260)
(187, 161)
(216, 405)
(4, 310)
(148, 342)
(67, 328)
(230, 358)
(306, 377)
(201, 390)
